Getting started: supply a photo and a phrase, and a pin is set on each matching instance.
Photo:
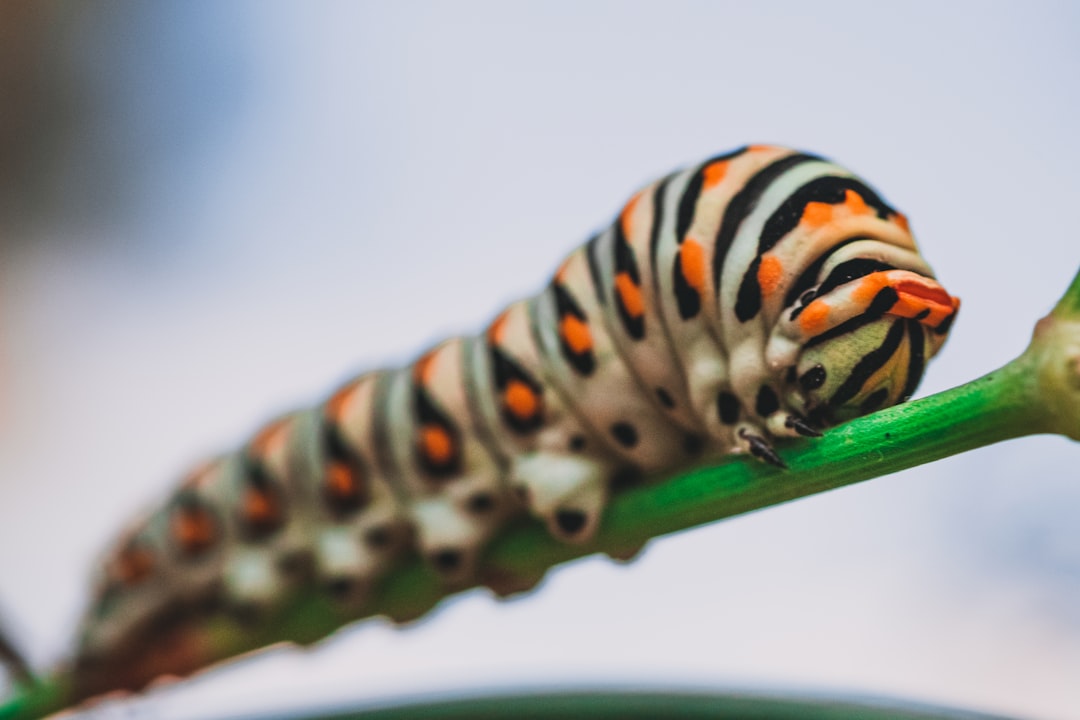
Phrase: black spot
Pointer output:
(888, 436)
(481, 503)
(522, 492)
(339, 587)
(873, 401)
(665, 398)
(245, 613)
(813, 378)
(767, 403)
(693, 444)
(727, 406)
(291, 564)
(446, 561)
(792, 375)
(577, 443)
(377, 537)
(625, 434)
(571, 522)
(625, 478)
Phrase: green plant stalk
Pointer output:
(1038, 392)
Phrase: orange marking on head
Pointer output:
(901, 220)
(714, 175)
(626, 217)
(692, 264)
(770, 274)
(436, 443)
(855, 204)
(916, 297)
(814, 319)
(560, 274)
(630, 294)
(341, 481)
(762, 148)
(497, 329)
(424, 368)
(868, 287)
(520, 399)
(576, 333)
(817, 214)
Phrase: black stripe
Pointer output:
(918, 360)
(881, 304)
(830, 190)
(744, 202)
(870, 364)
(592, 254)
(845, 272)
(808, 278)
(657, 220)
(688, 202)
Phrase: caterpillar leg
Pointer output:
(447, 538)
(754, 442)
(568, 493)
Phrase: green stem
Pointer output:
(1038, 392)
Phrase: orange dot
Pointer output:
(267, 439)
(436, 443)
(770, 274)
(520, 399)
(816, 214)
(335, 406)
(692, 263)
(626, 217)
(714, 174)
(259, 507)
(576, 334)
(869, 287)
(901, 220)
(133, 565)
(340, 480)
(630, 294)
(424, 368)
(497, 328)
(814, 318)
(193, 529)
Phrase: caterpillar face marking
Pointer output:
(761, 294)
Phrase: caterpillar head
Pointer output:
(865, 344)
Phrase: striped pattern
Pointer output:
(758, 295)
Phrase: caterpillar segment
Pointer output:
(759, 295)
(453, 482)
(557, 465)
(359, 523)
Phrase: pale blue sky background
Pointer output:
(265, 198)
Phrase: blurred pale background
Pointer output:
(214, 212)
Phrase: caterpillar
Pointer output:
(759, 295)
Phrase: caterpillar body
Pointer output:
(761, 294)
